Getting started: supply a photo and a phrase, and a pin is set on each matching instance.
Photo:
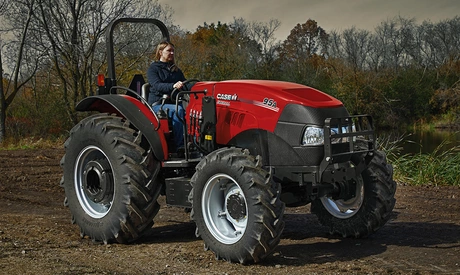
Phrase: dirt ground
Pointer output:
(36, 236)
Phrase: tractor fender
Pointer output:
(134, 111)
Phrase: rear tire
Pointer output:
(110, 179)
(236, 206)
(369, 210)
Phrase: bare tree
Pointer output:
(3, 5)
(6, 100)
(264, 35)
(441, 41)
(356, 47)
(70, 36)
(2, 100)
(261, 45)
(394, 43)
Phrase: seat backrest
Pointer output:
(145, 91)
(136, 83)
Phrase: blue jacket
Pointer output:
(162, 79)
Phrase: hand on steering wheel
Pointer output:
(178, 85)
(182, 84)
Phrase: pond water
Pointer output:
(424, 141)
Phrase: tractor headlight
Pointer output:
(313, 136)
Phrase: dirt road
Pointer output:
(36, 236)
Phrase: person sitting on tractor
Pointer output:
(164, 77)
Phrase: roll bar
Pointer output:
(109, 39)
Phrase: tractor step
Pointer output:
(177, 191)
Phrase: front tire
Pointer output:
(110, 179)
(236, 206)
(368, 210)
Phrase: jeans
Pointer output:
(177, 125)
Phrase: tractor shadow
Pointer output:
(171, 225)
(176, 232)
(304, 240)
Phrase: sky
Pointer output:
(329, 14)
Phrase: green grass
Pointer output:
(441, 167)
(31, 143)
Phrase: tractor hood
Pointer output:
(269, 93)
(259, 104)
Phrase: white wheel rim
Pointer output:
(216, 194)
(344, 209)
(94, 208)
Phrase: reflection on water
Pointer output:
(424, 141)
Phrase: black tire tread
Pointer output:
(269, 208)
(377, 206)
(141, 199)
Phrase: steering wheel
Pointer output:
(176, 91)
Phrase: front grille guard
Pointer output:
(352, 132)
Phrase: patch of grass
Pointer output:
(32, 143)
(441, 167)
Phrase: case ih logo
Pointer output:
(227, 96)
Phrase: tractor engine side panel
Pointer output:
(282, 147)
(274, 150)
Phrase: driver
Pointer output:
(164, 76)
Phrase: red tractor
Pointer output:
(253, 148)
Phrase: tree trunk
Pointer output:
(2, 101)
